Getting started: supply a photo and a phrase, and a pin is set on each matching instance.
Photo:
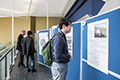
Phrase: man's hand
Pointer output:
(34, 54)
(71, 55)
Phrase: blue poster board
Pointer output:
(91, 73)
(40, 58)
(74, 64)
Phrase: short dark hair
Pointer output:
(64, 21)
(70, 21)
(29, 33)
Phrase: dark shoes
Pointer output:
(28, 70)
(34, 70)
(21, 65)
(18, 65)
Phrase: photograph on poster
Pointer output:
(100, 30)
(42, 42)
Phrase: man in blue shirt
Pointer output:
(60, 52)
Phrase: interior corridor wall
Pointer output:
(33, 26)
(41, 22)
(6, 28)
(21, 24)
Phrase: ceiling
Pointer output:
(38, 8)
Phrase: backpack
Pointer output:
(46, 51)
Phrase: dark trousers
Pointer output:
(21, 57)
(32, 62)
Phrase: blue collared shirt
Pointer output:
(59, 51)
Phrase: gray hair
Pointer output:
(23, 31)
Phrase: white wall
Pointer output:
(68, 6)
(110, 4)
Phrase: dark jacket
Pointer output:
(20, 37)
(28, 46)
(59, 51)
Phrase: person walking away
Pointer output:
(60, 53)
(19, 48)
(28, 50)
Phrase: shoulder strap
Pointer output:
(61, 36)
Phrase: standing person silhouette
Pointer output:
(19, 48)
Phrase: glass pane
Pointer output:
(8, 62)
(2, 63)
(13, 51)
(2, 69)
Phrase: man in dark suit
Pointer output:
(19, 48)
(28, 50)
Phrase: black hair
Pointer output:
(64, 21)
(70, 21)
(29, 33)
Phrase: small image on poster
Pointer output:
(43, 38)
(69, 37)
(100, 30)
(42, 42)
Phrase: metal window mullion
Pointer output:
(14, 51)
(6, 66)
(11, 56)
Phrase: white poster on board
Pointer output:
(43, 38)
(98, 45)
(69, 37)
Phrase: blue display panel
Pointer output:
(74, 64)
(91, 73)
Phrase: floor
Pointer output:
(20, 73)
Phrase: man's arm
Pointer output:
(19, 42)
(32, 46)
(19, 39)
